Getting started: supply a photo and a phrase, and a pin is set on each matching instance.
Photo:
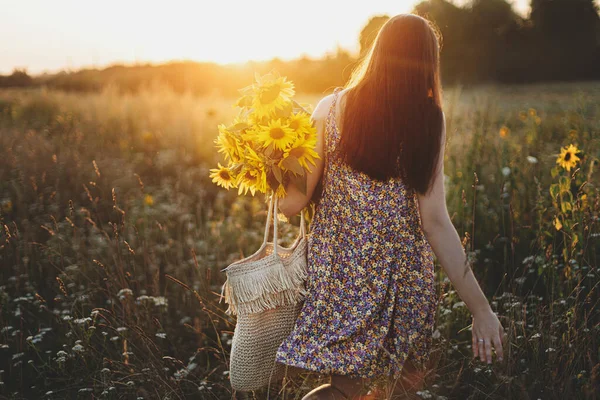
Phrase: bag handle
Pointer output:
(272, 212)
(272, 206)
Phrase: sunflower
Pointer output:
(228, 144)
(303, 151)
(568, 158)
(223, 176)
(276, 132)
(271, 92)
(301, 124)
(253, 179)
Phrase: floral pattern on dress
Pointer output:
(371, 298)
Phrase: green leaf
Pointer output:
(554, 190)
(565, 184)
(269, 150)
(291, 163)
(239, 127)
(554, 172)
(565, 206)
(277, 173)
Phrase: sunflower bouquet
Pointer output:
(270, 143)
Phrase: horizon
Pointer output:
(68, 36)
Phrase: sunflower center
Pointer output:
(269, 94)
(249, 176)
(276, 133)
(224, 175)
(297, 152)
(567, 156)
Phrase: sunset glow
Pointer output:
(73, 34)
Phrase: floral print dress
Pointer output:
(371, 298)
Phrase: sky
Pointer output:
(48, 36)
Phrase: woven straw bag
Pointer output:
(266, 291)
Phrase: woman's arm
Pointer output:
(447, 247)
(294, 200)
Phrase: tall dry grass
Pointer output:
(113, 238)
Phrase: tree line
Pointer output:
(482, 41)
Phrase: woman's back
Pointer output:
(370, 275)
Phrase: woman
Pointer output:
(381, 215)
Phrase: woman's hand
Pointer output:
(486, 326)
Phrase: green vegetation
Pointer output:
(113, 236)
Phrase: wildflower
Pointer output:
(147, 137)
(532, 160)
(506, 171)
(79, 348)
(568, 158)
(7, 206)
(532, 112)
(504, 131)
(148, 200)
(123, 293)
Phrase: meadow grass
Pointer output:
(113, 238)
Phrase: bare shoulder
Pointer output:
(322, 109)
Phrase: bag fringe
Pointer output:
(267, 302)
(280, 283)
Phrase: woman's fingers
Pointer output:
(481, 345)
(498, 347)
(474, 346)
(488, 350)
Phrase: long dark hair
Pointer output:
(392, 119)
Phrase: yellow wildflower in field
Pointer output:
(573, 134)
(276, 132)
(222, 176)
(532, 112)
(568, 158)
(148, 200)
(148, 137)
(504, 131)
(7, 206)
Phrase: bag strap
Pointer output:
(272, 212)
